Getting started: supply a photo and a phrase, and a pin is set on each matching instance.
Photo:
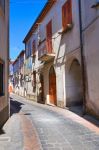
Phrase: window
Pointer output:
(29, 48)
(49, 36)
(26, 51)
(33, 48)
(2, 5)
(1, 79)
(34, 81)
(67, 15)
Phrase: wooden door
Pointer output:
(42, 88)
(52, 86)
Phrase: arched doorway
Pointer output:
(41, 89)
(52, 86)
(74, 85)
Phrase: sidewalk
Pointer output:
(19, 134)
(11, 137)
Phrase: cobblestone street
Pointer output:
(34, 126)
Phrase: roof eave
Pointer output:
(41, 16)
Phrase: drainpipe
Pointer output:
(25, 70)
(82, 60)
(7, 4)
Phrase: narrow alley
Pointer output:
(35, 126)
(49, 76)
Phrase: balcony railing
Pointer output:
(45, 52)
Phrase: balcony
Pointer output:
(45, 52)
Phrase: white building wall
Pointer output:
(64, 46)
(4, 49)
(35, 64)
(91, 50)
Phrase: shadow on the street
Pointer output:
(2, 131)
(27, 114)
(79, 109)
(15, 106)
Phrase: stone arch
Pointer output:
(41, 89)
(70, 61)
(74, 94)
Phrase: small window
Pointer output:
(29, 48)
(1, 79)
(34, 78)
(34, 81)
(67, 14)
(2, 5)
(33, 48)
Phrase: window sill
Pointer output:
(2, 95)
(65, 30)
(33, 55)
(95, 5)
(41, 42)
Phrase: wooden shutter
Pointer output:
(1, 62)
(1, 78)
(64, 23)
(67, 14)
(69, 11)
(33, 48)
(34, 79)
(49, 36)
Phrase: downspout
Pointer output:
(25, 70)
(8, 54)
(82, 60)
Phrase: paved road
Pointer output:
(55, 131)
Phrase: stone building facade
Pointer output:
(4, 60)
(18, 74)
(57, 61)
(62, 55)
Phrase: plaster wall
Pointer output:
(4, 50)
(63, 46)
(91, 51)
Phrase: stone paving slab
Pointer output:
(60, 129)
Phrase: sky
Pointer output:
(23, 13)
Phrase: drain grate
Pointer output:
(5, 139)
